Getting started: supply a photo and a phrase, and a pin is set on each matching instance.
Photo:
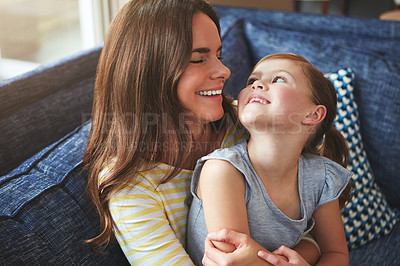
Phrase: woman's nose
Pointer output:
(221, 71)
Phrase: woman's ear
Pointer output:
(316, 116)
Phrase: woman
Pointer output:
(158, 107)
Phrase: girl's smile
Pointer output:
(256, 98)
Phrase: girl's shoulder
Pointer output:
(323, 178)
(316, 163)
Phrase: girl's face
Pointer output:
(277, 97)
(200, 86)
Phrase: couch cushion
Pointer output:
(381, 37)
(380, 252)
(377, 94)
(368, 215)
(235, 55)
(40, 107)
(45, 214)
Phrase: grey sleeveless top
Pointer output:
(320, 181)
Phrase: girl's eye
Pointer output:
(278, 80)
(250, 81)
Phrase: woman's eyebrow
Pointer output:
(204, 50)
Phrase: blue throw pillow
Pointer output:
(382, 37)
(378, 94)
(368, 215)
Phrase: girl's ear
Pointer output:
(315, 117)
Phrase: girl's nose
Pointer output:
(258, 85)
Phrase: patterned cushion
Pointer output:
(368, 215)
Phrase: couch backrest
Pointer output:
(42, 106)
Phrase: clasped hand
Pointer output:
(248, 252)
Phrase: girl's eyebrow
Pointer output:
(260, 73)
(204, 50)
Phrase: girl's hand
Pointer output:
(245, 253)
(293, 257)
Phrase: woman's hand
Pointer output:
(245, 253)
(293, 257)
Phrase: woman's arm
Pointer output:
(329, 233)
(292, 256)
(246, 249)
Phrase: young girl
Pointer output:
(275, 186)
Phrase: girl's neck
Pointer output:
(275, 157)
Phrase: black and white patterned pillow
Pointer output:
(368, 216)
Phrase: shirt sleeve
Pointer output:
(336, 180)
(143, 230)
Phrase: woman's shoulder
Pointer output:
(156, 173)
(148, 177)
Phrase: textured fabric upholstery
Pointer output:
(41, 106)
(45, 213)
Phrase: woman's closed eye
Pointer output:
(204, 58)
(197, 61)
(278, 79)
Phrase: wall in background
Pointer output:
(355, 8)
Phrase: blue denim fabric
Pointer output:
(329, 43)
(379, 36)
(45, 214)
(383, 252)
(235, 55)
(40, 107)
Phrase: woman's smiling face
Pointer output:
(200, 86)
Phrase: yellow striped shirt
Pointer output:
(150, 219)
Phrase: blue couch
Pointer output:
(45, 214)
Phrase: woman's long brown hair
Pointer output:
(135, 116)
